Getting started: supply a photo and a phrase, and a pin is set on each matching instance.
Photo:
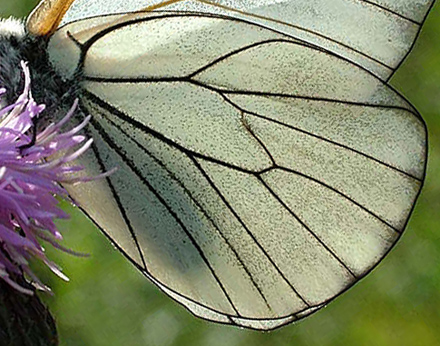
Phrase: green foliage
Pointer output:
(109, 303)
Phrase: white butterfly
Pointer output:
(265, 163)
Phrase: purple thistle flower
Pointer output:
(30, 177)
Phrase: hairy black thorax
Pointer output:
(46, 85)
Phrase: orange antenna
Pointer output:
(47, 16)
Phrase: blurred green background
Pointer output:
(107, 302)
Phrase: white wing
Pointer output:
(376, 35)
(260, 176)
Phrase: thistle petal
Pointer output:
(29, 178)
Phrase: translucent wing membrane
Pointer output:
(376, 35)
(256, 183)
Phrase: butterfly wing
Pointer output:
(260, 176)
(377, 35)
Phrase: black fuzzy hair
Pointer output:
(46, 85)
(11, 53)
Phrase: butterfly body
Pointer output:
(56, 92)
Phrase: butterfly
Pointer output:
(265, 163)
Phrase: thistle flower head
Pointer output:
(32, 168)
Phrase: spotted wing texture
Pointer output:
(375, 34)
(259, 175)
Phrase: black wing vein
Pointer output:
(319, 137)
(225, 201)
(194, 200)
(118, 201)
(191, 156)
(133, 168)
(194, 154)
(291, 212)
(386, 9)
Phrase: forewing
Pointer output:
(376, 35)
(259, 176)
